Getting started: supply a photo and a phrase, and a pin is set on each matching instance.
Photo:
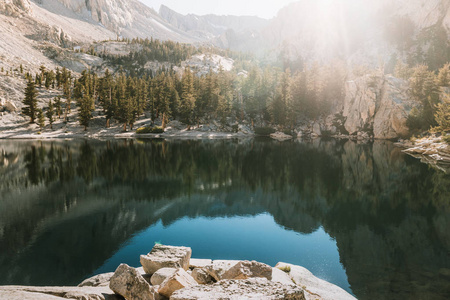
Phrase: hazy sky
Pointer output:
(262, 8)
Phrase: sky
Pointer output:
(261, 8)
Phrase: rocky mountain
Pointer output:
(362, 31)
(217, 29)
(127, 18)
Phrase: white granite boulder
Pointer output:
(199, 263)
(159, 276)
(219, 267)
(317, 287)
(128, 283)
(163, 256)
(202, 277)
(248, 269)
(179, 280)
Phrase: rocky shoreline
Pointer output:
(169, 272)
(431, 150)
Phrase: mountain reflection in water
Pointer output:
(379, 220)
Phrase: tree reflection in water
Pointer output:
(67, 206)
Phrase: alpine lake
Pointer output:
(363, 216)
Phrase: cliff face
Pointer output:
(378, 105)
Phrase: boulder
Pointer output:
(253, 288)
(159, 276)
(248, 269)
(319, 288)
(316, 131)
(281, 276)
(11, 107)
(202, 276)
(128, 283)
(199, 263)
(219, 267)
(163, 256)
(98, 280)
(280, 136)
(179, 280)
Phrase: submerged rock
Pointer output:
(166, 257)
(254, 288)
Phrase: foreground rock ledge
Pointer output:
(253, 288)
(170, 273)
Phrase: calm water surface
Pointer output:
(363, 216)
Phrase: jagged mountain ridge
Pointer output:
(211, 26)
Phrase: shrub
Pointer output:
(285, 269)
(235, 128)
(264, 131)
(144, 130)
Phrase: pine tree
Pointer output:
(443, 114)
(279, 105)
(444, 75)
(30, 101)
(106, 96)
(21, 69)
(50, 113)
(41, 118)
(85, 113)
(68, 95)
(188, 99)
(425, 90)
(58, 107)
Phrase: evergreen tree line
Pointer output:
(264, 95)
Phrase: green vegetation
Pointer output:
(41, 118)
(265, 96)
(286, 269)
(50, 113)
(30, 101)
(144, 130)
(443, 115)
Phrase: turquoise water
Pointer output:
(363, 216)
(244, 238)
